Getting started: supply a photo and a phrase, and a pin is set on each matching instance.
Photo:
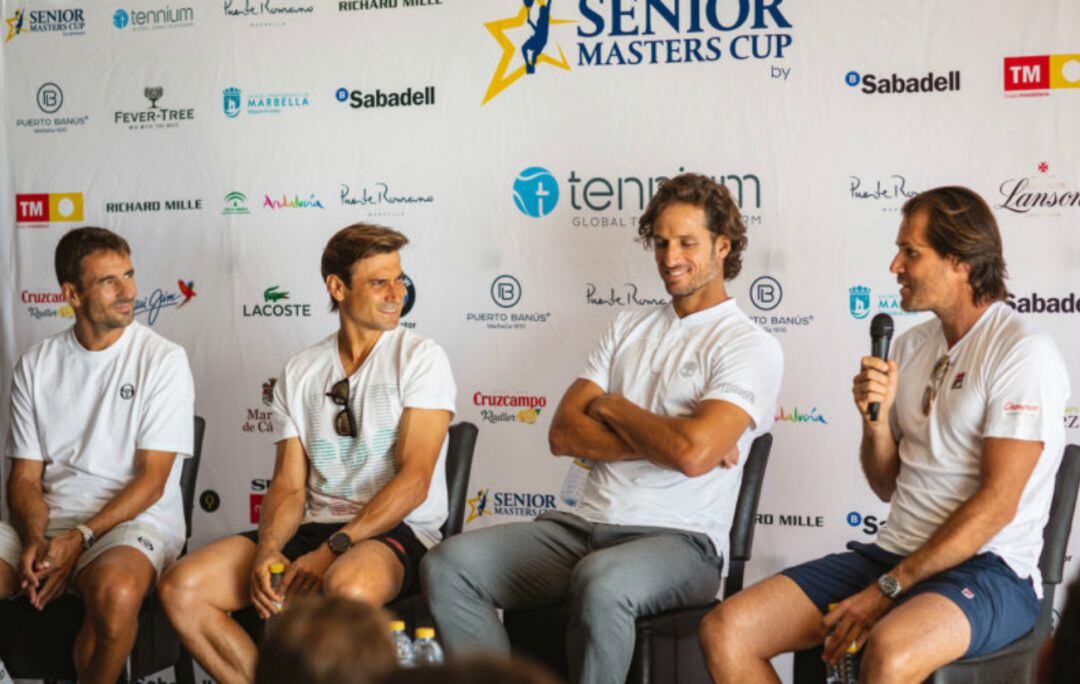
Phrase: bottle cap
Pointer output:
(397, 625)
(277, 568)
(425, 633)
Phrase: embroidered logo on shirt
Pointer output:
(737, 391)
(1013, 408)
(146, 543)
(968, 593)
(688, 369)
(958, 380)
(127, 391)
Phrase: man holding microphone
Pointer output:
(965, 449)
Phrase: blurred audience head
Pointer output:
(474, 670)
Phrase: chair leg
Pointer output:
(184, 669)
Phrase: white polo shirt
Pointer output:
(403, 370)
(85, 413)
(668, 365)
(1005, 379)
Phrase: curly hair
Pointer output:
(721, 213)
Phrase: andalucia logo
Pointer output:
(525, 42)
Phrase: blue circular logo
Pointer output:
(120, 18)
(536, 192)
(342, 94)
(410, 297)
(854, 519)
(852, 78)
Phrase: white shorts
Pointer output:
(141, 536)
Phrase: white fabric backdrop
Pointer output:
(823, 168)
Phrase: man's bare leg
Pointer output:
(368, 572)
(9, 580)
(915, 639)
(744, 632)
(112, 587)
(198, 594)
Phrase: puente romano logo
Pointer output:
(535, 36)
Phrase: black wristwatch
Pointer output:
(890, 586)
(339, 543)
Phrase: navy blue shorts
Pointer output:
(1000, 607)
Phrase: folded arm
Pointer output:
(575, 433)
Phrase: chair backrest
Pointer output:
(459, 455)
(1059, 524)
(741, 541)
(190, 473)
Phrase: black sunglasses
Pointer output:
(343, 421)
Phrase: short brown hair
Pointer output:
(79, 243)
(959, 224)
(326, 640)
(721, 213)
(353, 243)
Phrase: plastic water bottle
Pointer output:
(574, 485)
(277, 572)
(846, 670)
(426, 651)
(403, 645)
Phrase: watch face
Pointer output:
(889, 586)
(340, 542)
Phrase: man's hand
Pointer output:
(851, 621)
(55, 566)
(263, 597)
(731, 458)
(876, 382)
(305, 575)
(33, 553)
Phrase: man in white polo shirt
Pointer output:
(359, 487)
(665, 411)
(967, 459)
(100, 413)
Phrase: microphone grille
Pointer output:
(881, 325)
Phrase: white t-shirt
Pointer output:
(668, 365)
(403, 370)
(85, 413)
(1005, 379)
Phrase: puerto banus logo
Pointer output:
(160, 299)
(796, 415)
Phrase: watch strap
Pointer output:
(88, 536)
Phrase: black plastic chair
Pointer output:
(41, 645)
(413, 609)
(666, 647)
(1014, 664)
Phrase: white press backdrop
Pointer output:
(150, 117)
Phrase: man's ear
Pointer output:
(336, 287)
(722, 245)
(71, 294)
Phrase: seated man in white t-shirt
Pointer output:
(359, 487)
(99, 414)
(665, 411)
(967, 458)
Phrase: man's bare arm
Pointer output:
(29, 514)
(152, 470)
(421, 433)
(574, 433)
(878, 452)
(1007, 465)
(283, 508)
(693, 445)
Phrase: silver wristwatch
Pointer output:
(88, 536)
(890, 586)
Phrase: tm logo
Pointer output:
(536, 192)
(534, 20)
(272, 295)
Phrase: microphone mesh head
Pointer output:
(881, 326)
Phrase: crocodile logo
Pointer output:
(272, 295)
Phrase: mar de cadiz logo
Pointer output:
(50, 100)
(506, 293)
(161, 299)
(540, 33)
(1036, 75)
(260, 419)
(38, 210)
(154, 117)
(513, 504)
(766, 294)
(66, 22)
(1038, 195)
(153, 19)
(233, 103)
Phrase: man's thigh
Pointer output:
(160, 550)
(835, 577)
(115, 567)
(10, 552)
(515, 566)
(369, 571)
(220, 572)
(924, 633)
(653, 572)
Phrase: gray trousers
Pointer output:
(610, 573)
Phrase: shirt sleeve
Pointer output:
(285, 426)
(24, 429)
(427, 381)
(598, 365)
(168, 415)
(747, 372)
(1027, 392)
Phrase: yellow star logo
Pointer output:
(14, 25)
(501, 80)
(477, 506)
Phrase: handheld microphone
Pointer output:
(881, 330)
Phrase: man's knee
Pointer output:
(722, 631)
(9, 580)
(179, 592)
(112, 601)
(597, 592)
(444, 563)
(350, 586)
(887, 657)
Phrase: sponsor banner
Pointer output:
(895, 84)
(522, 409)
(41, 209)
(153, 19)
(766, 294)
(154, 117)
(506, 292)
(164, 299)
(66, 22)
(1034, 75)
(509, 504)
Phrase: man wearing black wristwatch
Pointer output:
(965, 449)
(102, 417)
(359, 491)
